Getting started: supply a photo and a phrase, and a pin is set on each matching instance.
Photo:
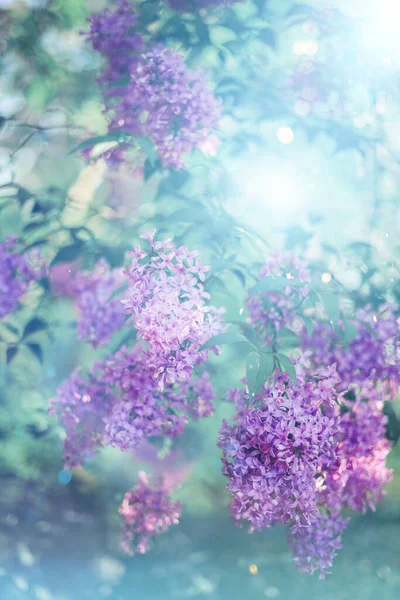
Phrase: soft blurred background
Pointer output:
(307, 159)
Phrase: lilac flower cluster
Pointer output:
(315, 547)
(100, 315)
(357, 480)
(112, 34)
(149, 91)
(301, 454)
(81, 404)
(119, 404)
(140, 410)
(374, 353)
(271, 311)
(17, 271)
(277, 448)
(146, 511)
(140, 393)
(167, 301)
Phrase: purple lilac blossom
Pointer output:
(146, 511)
(112, 34)
(119, 404)
(167, 301)
(277, 446)
(149, 91)
(61, 277)
(271, 311)
(315, 547)
(358, 478)
(81, 404)
(374, 353)
(99, 314)
(17, 271)
(140, 410)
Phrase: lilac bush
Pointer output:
(310, 434)
(308, 444)
(298, 451)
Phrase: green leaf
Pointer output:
(217, 284)
(32, 226)
(177, 179)
(45, 283)
(150, 168)
(37, 351)
(252, 368)
(331, 305)
(68, 253)
(287, 366)
(35, 245)
(272, 284)
(300, 9)
(202, 30)
(11, 328)
(112, 136)
(23, 195)
(148, 148)
(186, 215)
(350, 330)
(114, 255)
(341, 335)
(393, 423)
(248, 332)
(11, 352)
(309, 324)
(34, 325)
(268, 36)
(288, 338)
(267, 366)
(121, 81)
(220, 35)
(240, 276)
(223, 338)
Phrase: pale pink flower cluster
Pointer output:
(147, 510)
